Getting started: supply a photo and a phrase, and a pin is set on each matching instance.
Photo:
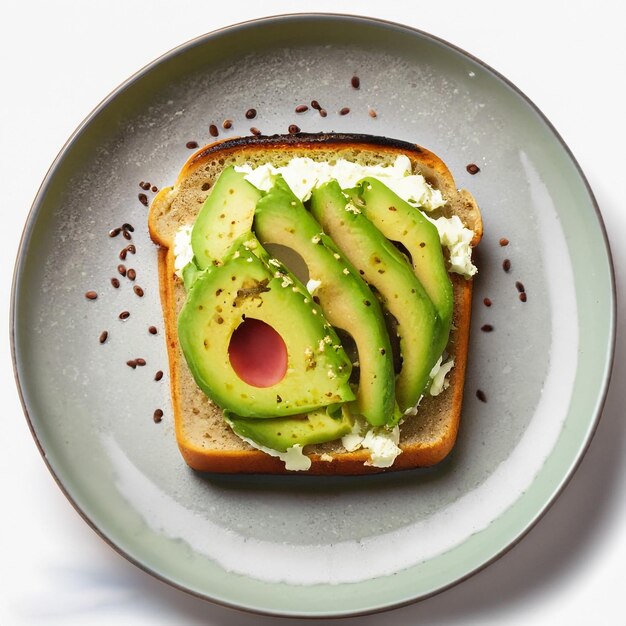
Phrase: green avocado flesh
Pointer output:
(385, 269)
(225, 215)
(280, 433)
(399, 221)
(346, 300)
(222, 299)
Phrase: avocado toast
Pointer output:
(273, 368)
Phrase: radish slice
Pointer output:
(258, 353)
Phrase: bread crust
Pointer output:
(422, 445)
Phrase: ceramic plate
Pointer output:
(301, 545)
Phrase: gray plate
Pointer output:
(303, 545)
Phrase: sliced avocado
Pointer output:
(401, 222)
(385, 269)
(216, 329)
(225, 215)
(346, 300)
(280, 433)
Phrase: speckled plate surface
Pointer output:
(302, 545)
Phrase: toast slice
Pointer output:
(205, 440)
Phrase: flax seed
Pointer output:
(250, 114)
(472, 168)
(213, 130)
(143, 199)
(91, 295)
(103, 336)
(192, 145)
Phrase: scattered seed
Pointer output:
(158, 375)
(293, 129)
(487, 328)
(523, 297)
(115, 232)
(143, 199)
(91, 295)
(344, 111)
(115, 282)
(316, 105)
(227, 124)
(158, 416)
(506, 265)
(126, 234)
(131, 274)
(138, 290)
(519, 286)
(323, 112)
(144, 185)
(154, 188)
(480, 394)
(504, 242)
(121, 269)
(132, 363)
(355, 82)
(131, 248)
(250, 114)
(372, 113)
(487, 302)
(192, 145)
(140, 362)
(127, 226)
(302, 108)
(103, 336)
(123, 253)
(124, 315)
(472, 168)
(152, 330)
(255, 131)
(213, 130)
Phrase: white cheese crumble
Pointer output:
(183, 252)
(303, 174)
(381, 443)
(312, 285)
(438, 375)
(454, 236)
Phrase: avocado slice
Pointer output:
(346, 300)
(280, 433)
(401, 222)
(225, 215)
(243, 294)
(385, 269)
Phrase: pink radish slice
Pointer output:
(258, 353)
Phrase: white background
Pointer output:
(59, 59)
